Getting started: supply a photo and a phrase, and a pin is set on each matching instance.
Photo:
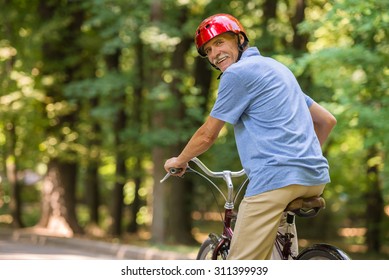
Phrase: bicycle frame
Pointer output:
(225, 239)
(283, 243)
(229, 215)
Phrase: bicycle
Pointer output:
(216, 246)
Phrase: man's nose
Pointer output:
(213, 53)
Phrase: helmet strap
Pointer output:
(241, 47)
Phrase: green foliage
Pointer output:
(348, 62)
(345, 68)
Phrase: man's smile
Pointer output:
(220, 59)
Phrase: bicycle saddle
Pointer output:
(306, 207)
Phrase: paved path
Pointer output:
(21, 245)
(14, 250)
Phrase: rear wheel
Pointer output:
(206, 251)
(322, 252)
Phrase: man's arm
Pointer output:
(200, 142)
(323, 122)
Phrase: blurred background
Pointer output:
(95, 95)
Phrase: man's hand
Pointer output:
(175, 163)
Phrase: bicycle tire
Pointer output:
(206, 251)
(322, 252)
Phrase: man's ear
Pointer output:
(241, 39)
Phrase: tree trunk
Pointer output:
(158, 226)
(92, 190)
(59, 186)
(374, 205)
(58, 201)
(15, 204)
(299, 41)
(179, 222)
(120, 176)
(159, 199)
(137, 203)
(137, 109)
(120, 121)
(203, 79)
(269, 13)
(92, 185)
(11, 159)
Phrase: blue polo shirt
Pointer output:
(273, 127)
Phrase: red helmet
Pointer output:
(214, 26)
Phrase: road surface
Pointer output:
(13, 250)
(25, 246)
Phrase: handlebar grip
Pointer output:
(175, 170)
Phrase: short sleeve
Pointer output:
(232, 99)
(308, 100)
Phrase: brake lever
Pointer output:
(171, 171)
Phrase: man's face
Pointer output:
(222, 51)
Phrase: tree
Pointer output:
(160, 194)
(20, 104)
(353, 39)
(58, 201)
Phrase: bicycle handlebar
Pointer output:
(219, 174)
(207, 171)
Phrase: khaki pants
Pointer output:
(259, 218)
